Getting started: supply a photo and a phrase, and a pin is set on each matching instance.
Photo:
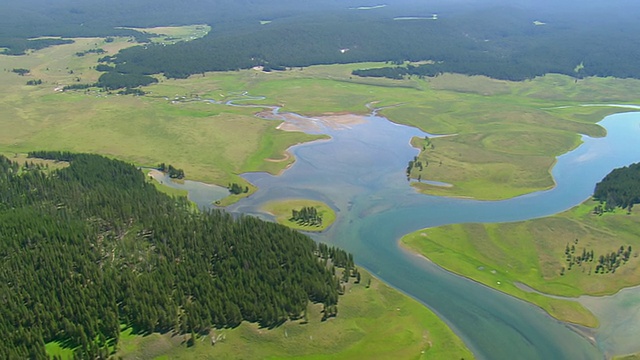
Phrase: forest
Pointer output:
(522, 51)
(502, 40)
(620, 188)
(92, 246)
(307, 215)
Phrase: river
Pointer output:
(360, 173)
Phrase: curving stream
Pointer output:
(360, 173)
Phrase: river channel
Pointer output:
(360, 173)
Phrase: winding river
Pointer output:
(360, 173)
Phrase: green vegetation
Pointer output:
(168, 190)
(173, 172)
(20, 71)
(284, 213)
(211, 143)
(502, 43)
(504, 145)
(474, 39)
(91, 51)
(173, 34)
(628, 357)
(93, 245)
(237, 189)
(34, 82)
(534, 253)
(373, 321)
(306, 216)
(113, 80)
(43, 165)
(620, 188)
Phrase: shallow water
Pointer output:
(360, 173)
(619, 316)
(201, 194)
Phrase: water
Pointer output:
(360, 173)
(619, 320)
(201, 194)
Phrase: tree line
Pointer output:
(307, 215)
(477, 39)
(173, 172)
(607, 263)
(619, 189)
(92, 246)
(514, 49)
(236, 189)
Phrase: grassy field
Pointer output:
(212, 143)
(373, 322)
(47, 165)
(57, 349)
(174, 34)
(282, 211)
(628, 357)
(533, 253)
(507, 134)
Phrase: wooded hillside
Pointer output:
(620, 188)
(91, 246)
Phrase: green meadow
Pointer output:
(374, 321)
(174, 34)
(504, 135)
(628, 357)
(212, 143)
(533, 253)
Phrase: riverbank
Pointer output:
(373, 321)
(535, 252)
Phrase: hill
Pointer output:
(93, 245)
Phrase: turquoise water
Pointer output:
(360, 173)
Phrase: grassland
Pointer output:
(507, 134)
(47, 165)
(174, 34)
(373, 322)
(533, 253)
(628, 357)
(212, 143)
(56, 349)
(282, 212)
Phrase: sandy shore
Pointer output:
(294, 122)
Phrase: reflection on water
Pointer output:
(360, 173)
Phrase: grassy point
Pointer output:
(282, 210)
(533, 253)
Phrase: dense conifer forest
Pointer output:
(504, 44)
(93, 246)
(620, 188)
(512, 40)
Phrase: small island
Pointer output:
(301, 214)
